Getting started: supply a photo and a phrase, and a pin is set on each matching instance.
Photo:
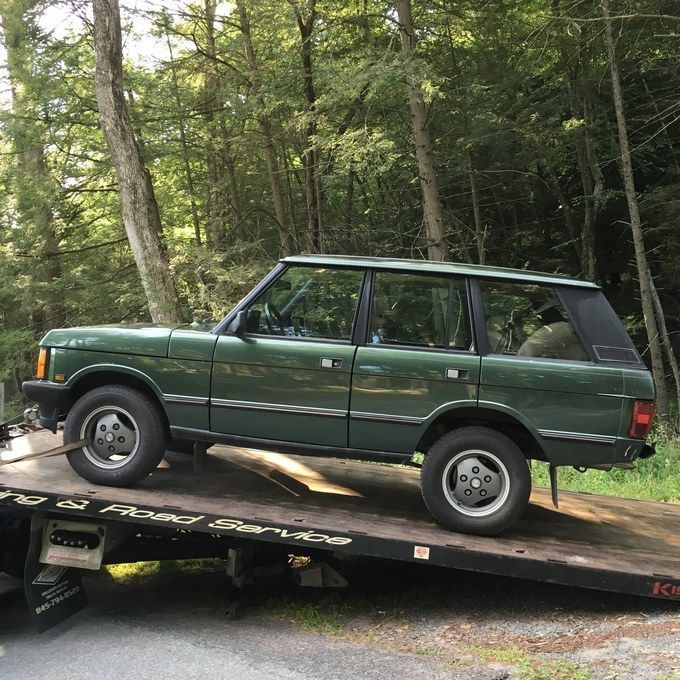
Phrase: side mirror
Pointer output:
(240, 323)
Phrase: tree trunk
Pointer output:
(34, 188)
(289, 172)
(186, 161)
(432, 209)
(588, 224)
(480, 231)
(305, 24)
(266, 133)
(659, 117)
(646, 296)
(138, 202)
(568, 218)
(215, 207)
(349, 202)
(229, 168)
(583, 150)
(665, 338)
(595, 171)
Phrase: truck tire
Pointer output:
(476, 481)
(15, 530)
(128, 431)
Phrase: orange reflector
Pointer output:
(41, 370)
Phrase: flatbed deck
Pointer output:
(606, 543)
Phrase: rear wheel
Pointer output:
(128, 435)
(475, 480)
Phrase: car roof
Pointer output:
(431, 267)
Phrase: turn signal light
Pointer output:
(41, 370)
(641, 420)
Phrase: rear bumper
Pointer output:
(52, 399)
(628, 452)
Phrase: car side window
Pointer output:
(419, 310)
(527, 320)
(308, 302)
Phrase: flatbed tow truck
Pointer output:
(240, 503)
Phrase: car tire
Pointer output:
(129, 435)
(476, 481)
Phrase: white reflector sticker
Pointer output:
(69, 557)
(420, 552)
(49, 575)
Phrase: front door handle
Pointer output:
(457, 374)
(330, 362)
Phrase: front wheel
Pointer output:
(475, 480)
(128, 435)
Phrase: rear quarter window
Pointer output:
(600, 327)
(528, 320)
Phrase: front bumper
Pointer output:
(52, 399)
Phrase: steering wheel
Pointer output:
(275, 322)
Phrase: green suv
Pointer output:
(479, 368)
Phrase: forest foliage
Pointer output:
(316, 97)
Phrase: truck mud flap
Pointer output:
(54, 593)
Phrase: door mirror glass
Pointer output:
(240, 323)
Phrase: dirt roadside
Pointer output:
(520, 628)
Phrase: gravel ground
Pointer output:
(394, 619)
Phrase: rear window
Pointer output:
(527, 320)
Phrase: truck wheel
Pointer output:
(476, 481)
(128, 435)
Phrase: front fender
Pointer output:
(113, 368)
(55, 399)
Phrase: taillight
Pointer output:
(641, 420)
(41, 369)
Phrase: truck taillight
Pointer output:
(641, 420)
(41, 369)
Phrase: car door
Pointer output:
(418, 360)
(537, 368)
(287, 378)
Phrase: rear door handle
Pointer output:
(330, 362)
(457, 374)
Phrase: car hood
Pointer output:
(137, 338)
